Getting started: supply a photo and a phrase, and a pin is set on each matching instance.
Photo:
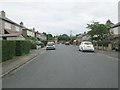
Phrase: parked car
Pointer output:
(50, 46)
(67, 43)
(86, 46)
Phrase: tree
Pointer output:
(49, 37)
(45, 33)
(97, 30)
(63, 37)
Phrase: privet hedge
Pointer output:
(22, 47)
(8, 50)
(104, 43)
(14, 48)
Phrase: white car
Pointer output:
(86, 46)
(50, 46)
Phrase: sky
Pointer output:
(60, 16)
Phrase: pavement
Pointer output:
(114, 54)
(18, 61)
(66, 67)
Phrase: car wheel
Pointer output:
(82, 50)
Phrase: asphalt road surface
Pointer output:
(66, 67)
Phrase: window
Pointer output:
(17, 28)
(7, 25)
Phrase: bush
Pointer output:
(14, 48)
(44, 42)
(32, 45)
(104, 43)
(116, 45)
(22, 47)
(8, 50)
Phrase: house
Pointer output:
(40, 36)
(28, 32)
(83, 37)
(115, 29)
(9, 30)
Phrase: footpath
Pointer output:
(17, 62)
(114, 54)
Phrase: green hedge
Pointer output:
(104, 43)
(8, 50)
(22, 47)
(32, 45)
(45, 42)
(116, 45)
(14, 48)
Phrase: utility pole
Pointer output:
(71, 33)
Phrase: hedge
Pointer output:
(32, 45)
(104, 43)
(22, 47)
(116, 45)
(8, 50)
(14, 48)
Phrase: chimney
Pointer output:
(34, 29)
(3, 14)
(21, 23)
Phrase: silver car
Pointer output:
(50, 46)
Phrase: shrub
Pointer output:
(104, 43)
(22, 47)
(8, 50)
(32, 45)
(116, 45)
(44, 42)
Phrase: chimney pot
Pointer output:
(3, 14)
(21, 23)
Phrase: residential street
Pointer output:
(66, 67)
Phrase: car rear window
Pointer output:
(50, 44)
(88, 43)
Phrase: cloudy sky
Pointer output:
(58, 17)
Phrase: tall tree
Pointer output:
(98, 30)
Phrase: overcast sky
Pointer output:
(58, 17)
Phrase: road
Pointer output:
(66, 67)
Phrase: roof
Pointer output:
(8, 35)
(11, 33)
(10, 21)
(116, 25)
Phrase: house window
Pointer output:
(17, 28)
(7, 25)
